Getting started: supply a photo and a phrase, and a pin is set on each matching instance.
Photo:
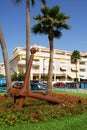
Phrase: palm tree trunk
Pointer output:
(28, 36)
(6, 60)
(50, 71)
(27, 31)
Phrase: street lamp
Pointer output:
(43, 68)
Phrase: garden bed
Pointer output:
(35, 110)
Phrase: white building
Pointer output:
(2, 69)
(63, 69)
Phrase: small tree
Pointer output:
(74, 58)
(2, 76)
(18, 77)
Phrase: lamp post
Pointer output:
(43, 68)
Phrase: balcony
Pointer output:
(36, 62)
(21, 62)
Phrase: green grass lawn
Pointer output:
(71, 93)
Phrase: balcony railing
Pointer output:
(21, 62)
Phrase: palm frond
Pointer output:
(18, 1)
(51, 19)
(15, 2)
(75, 55)
(33, 2)
(63, 26)
(44, 2)
(45, 11)
(57, 34)
(39, 29)
(54, 11)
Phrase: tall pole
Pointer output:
(43, 68)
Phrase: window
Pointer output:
(35, 59)
(82, 70)
(36, 67)
(82, 63)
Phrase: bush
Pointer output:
(18, 77)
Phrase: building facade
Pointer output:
(63, 69)
(2, 69)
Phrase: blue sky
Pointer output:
(13, 22)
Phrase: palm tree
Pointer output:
(74, 58)
(6, 60)
(28, 27)
(51, 22)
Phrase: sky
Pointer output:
(13, 23)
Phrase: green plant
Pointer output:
(2, 76)
(38, 111)
(18, 77)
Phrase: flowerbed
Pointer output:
(36, 110)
